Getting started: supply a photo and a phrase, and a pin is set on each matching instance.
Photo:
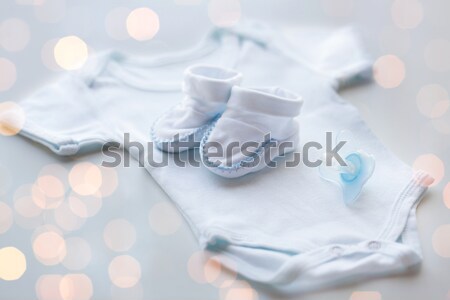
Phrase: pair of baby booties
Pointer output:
(238, 130)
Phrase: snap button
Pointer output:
(337, 250)
(374, 245)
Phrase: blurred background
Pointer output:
(72, 230)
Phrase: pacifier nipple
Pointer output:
(353, 168)
(352, 176)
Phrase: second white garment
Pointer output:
(284, 227)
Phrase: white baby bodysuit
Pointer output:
(284, 227)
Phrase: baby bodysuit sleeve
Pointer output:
(337, 54)
(63, 116)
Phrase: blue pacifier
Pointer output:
(352, 176)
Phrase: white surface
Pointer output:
(392, 114)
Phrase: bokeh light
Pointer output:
(431, 164)
(49, 248)
(26, 207)
(164, 219)
(407, 14)
(119, 235)
(47, 287)
(124, 271)
(365, 295)
(50, 11)
(239, 289)
(66, 219)
(433, 100)
(12, 263)
(441, 240)
(6, 217)
(85, 178)
(440, 108)
(24, 203)
(8, 74)
(442, 124)
(195, 266)
(110, 181)
(14, 34)
(44, 201)
(76, 287)
(28, 215)
(71, 52)
(212, 270)
(57, 171)
(204, 268)
(78, 254)
(142, 24)
(224, 13)
(436, 55)
(337, 8)
(217, 274)
(84, 206)
(12, 116)
(44, 228)
(446, 195)
(51, 186)
(116, 23)
(389, 71)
